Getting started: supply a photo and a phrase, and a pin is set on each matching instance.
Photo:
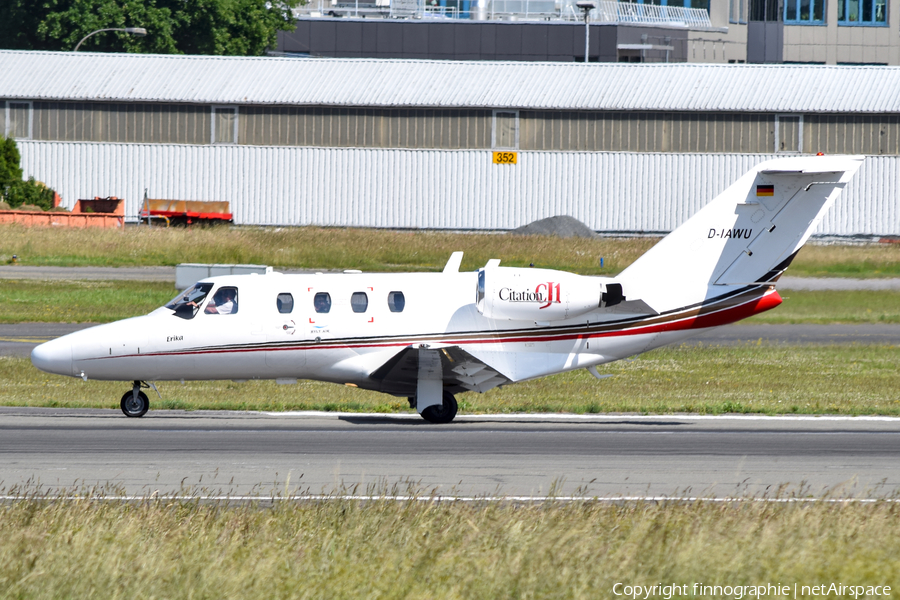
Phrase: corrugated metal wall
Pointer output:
(444, 189)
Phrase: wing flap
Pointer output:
(460, 372)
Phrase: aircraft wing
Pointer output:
(461, 372)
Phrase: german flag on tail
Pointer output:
(765, 190)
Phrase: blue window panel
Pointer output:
(865, 13)
(805, 12)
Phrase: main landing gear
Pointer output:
(440, 413)
(135, 403)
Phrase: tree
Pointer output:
(223, 27)
(64, 28)
(10, 171)
(12, 189)
(229, 27)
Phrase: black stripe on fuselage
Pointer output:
(550, 333)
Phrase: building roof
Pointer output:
(110, 77)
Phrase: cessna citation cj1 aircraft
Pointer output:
(428, 336)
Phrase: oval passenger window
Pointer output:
(285, 303)
(396, 301)
(359, 302)
(322, 302)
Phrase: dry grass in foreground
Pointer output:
(765, 378)
(415, 549)
(380, 250)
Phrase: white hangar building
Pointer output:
(409, 143)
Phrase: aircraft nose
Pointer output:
(54, 356)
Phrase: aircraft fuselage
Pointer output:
(264, 339)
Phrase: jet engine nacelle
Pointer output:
(541, 294)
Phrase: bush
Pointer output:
(30, 192)
(4, 205)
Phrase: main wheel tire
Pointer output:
(135, 408)
(443, 413)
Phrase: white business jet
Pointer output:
(428, 336)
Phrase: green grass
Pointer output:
(415, 549)
(755, 378)
(379, 250)
(857, 261)
(855, 306)
(79, 301)
(106, 301)
(311, 248)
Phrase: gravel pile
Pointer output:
(562, 226)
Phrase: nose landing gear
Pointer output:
(135, 403)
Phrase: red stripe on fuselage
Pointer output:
(714, 319)
(768, 300)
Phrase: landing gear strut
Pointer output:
(135, 403)
(444, 412)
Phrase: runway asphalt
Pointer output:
(213, 453)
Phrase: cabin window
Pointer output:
(285, 303)
(396, 301)
(224, 302)
(359, 302)
(187, 303)
(322, 302)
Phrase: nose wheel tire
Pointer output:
(443, 413)
(135, 407)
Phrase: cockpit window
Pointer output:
(396, 301)
(322, 302)
(224, 302)
(285, 303)
(187, 303)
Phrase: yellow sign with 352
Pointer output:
(506, 158)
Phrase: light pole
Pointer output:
(587, 6)
(140, 31)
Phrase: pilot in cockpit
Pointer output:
(223, 303)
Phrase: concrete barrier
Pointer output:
(61, 219)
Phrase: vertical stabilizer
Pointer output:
(748, 234)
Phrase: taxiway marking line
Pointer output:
(590, 417)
